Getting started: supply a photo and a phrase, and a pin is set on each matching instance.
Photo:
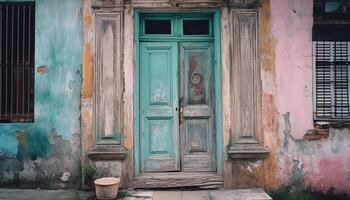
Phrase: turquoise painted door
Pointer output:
(197, 102)
(159, 107)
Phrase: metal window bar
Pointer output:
(332, 63)
(17, 62)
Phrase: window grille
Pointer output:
(332, 64)
(17, 62)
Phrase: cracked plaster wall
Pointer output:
(322, 164)
(47, 153)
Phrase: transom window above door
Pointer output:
(176, 25)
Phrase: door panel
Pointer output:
(197, 107)
(159, 107)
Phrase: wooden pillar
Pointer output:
(108, 81)
(246, 131)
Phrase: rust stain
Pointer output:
(87, 13)
(267, 40)
(21, 137)
(42, 70)
(267, 173)
(87, 72)
(88, 20)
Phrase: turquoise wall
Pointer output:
(58, 46)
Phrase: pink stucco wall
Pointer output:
(322, 164)
(292, 28)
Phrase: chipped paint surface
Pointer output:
(46, 153)
(322, 164)
(52, 147)
(286, 78)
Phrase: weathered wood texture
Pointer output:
(245, 77)
(108, 78)
(181, 179)
(159, 102)
(197, 110)
(245, 83)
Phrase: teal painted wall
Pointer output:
(54, 137)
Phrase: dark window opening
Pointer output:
(331, 32)
(331, 11)
(157, 26)
(336, 6)
(17, 62)
(196, 27)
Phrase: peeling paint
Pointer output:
(42, 70)
(297, 177)
(47, 153)
(65, 176)
(87, 75)
(267, 174)
(38, 154)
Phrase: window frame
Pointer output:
(326, 27)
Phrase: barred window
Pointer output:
(17, 61)
(332, 64)
(331, 55)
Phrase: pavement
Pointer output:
(32, 194)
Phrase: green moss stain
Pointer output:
(32, 145)
(8, 143)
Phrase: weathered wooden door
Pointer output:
(177, 107)
(159, 107)
(177, 102)
(197, 107)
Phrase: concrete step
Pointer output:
(241, 194)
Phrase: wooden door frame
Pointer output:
(218, 86)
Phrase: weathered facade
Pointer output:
(47, 153)
(231, 106)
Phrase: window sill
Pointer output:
(336, 123)
(247, 151)
(108, 152)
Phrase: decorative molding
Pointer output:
(108, 152)
(244, 3)
(245, 86)
(108, 86)
(107, 3)
(177, 3)
(247, 151)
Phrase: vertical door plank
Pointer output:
(197, 118)
(159, 111)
